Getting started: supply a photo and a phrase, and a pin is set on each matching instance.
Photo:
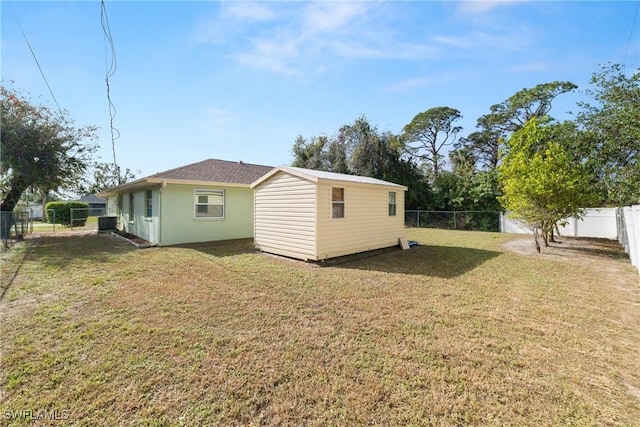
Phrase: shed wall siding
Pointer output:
(366, 224)
(285, 216)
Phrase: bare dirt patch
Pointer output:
(571, 249)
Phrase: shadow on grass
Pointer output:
(437, 261)
(59, 251)
(222, 248)
(428, 260)
(16, 266)
(593, 247)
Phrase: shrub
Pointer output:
(62, 212)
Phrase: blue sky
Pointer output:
(240, 80)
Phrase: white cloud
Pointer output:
(481, 7)
(495, 40)
(304, 37)
(247, 11)
(331, 17)
(275, 54)
(295, 39)
(407, 85)
(219, 117)
(232, 20)
(383, 49)
(530, 67)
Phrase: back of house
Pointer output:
(204, 201)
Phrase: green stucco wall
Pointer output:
(140, 224)
(178, 225)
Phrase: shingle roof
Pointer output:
(92, 198)
(215, 170)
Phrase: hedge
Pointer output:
(63, 213)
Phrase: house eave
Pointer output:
(146, 182)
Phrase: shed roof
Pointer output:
(210, 171)
(315, 176)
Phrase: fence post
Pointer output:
(418, 218)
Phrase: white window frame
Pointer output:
(394, 204)
(132, 204)
(343, 202)
(209, 192)
(148, 200)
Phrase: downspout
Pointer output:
(162, 187)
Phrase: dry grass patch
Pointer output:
(457, 331)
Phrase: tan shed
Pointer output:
(315, 215)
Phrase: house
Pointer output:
(314, 215)
(97, 205)
(205, 201)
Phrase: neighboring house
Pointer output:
(204, 201)
(97, 205)
(314, 215)
(36, 211)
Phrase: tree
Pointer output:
(507, 117)
(612, 134)
(484, 146)
(519, 108)
(40, 148)
(428, 133)
(359, 149)
(542, 181)
(309, 154)
(103, 176)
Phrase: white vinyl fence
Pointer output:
(628, 225)
(595, 223)
(622, 224)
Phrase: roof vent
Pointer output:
(240, 162)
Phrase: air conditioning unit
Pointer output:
(107, 224)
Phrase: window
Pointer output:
(337, 201)
(131, 211)
(209, 203)
(392, 203)
(149, 204)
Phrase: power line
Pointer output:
(111, 67)
(633, 26)
(35, 58)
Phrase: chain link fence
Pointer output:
(453, 220)
(85, 218)
(14, 226)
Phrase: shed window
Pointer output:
(337, 200)
(209, 203)
(149, 199)
(131, 204)
(392, 203)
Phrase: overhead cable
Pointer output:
(111, 64)
(35, 58)
(633, 26)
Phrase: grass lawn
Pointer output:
(41, 226)
(457, 331)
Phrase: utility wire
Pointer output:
(35, 58)
(110, 66)
(633, 26)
